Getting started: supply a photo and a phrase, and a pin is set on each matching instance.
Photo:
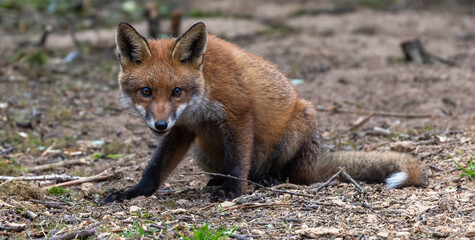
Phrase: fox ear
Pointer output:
(132, 47)
(190, 47)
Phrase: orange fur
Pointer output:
(243, 114)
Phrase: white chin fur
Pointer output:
(396, 180)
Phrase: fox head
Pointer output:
(159, 79)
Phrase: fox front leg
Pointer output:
(238, 148)
(167, 156)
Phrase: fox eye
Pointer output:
(176, 92)
(146, 92)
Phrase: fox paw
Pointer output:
(269, 181)
(228, 191)
(116, 197)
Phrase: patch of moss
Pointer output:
(171, 203)
(57, 191)
(115, 156)
(146, 215)
(37, 58)
(298, 12)
(115, 148)
(270, 31)
(8, 169)
(374, 4)
(96, 155)
(22, 190)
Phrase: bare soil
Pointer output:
(346, 54)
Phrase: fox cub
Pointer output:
(240, 113)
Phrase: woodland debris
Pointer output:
(442, 231)
(48, 150)
(44, 36)
(336, 109)
(342, 172)
(383, 234)
(249, 181)
(51, 204)
(134, 209)
(5, 204)
(414, 52)
(239, 236)
(470, 230)
(359, 122)
(331, 179)
(402, 146)
(15, 227)
(379, 131)
(64, 163)
(176, 22)
(319, 232)
(256, 205)
(53, 177)
(83, 234)
(153, 19)
(174, 211)
(99, 177)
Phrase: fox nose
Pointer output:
(161, 125)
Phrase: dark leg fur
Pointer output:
(168, 154)
(236, 163)
(216, 181)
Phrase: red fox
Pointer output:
(239, 112)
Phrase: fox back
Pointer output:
(242, 114)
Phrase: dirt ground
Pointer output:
(60, 114)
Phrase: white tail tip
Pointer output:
(396, 179)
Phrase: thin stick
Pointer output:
(53, 177)
(58, 164)
(95, 178)
(325, 184)
(51, 204)
(256, 205)
(79, 234)
(378, 114)
(360, 122)
(49, 149)
(349, 178)
(251, 182)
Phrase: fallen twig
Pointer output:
(239, 236)
(325, 184)
(414, 52)
(349, 178)
(53, 177)
(58, 164)
(256, 205)
(12, 227)
(99, 177)
(378, 114)
(51, 204)
(360, 122)
(83, 234)
(317, 203)
(2, 203)
(48, 150)
(376, 145)
(249, 181)
(343, 172)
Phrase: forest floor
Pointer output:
(62, 115)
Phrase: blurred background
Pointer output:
(413, 60)
(384, 75)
